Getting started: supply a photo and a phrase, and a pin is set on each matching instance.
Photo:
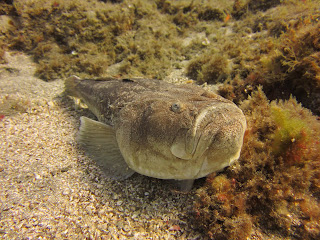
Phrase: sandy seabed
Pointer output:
(50, 189)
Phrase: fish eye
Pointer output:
(175, 107)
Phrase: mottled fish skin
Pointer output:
(163, 130)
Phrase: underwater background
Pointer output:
(263, 55)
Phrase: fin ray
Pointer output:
(99, 141)
(184, 186)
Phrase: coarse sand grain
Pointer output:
(50, 189)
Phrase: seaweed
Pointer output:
(209, 69)
(289, 58)
(139, 37)
(132, 38)
(220, 211)
(295, 68)
(78, 37)
(7, 26)
(241, 8)
(274, 187)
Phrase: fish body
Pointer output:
(156, 128)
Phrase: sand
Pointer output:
(51, 189)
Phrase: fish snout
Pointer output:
(215, 126)
(186, 144)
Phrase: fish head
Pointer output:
(180, 138)
(214, 139)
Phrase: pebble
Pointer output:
(37, 176)
(66, 192)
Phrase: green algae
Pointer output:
(291, 130)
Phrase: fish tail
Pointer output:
(70, 86)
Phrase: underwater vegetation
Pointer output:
(100, 38)
(218, 40)
(6, 26)
(299, 60)
(240, 7)
(274, 188)
(288, 60)
(211, 69)
(234, 47)
(86, 37)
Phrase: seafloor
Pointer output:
(50, 189)
(250, 52)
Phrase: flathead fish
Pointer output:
(157, 129)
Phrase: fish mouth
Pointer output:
(191, 143)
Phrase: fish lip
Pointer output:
(179, 145)
(190, 149)
(187, 146)
(199, 132)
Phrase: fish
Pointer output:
(157, 129)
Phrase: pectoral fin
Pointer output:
(182, 186)
(99, 141)
(185, 185)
